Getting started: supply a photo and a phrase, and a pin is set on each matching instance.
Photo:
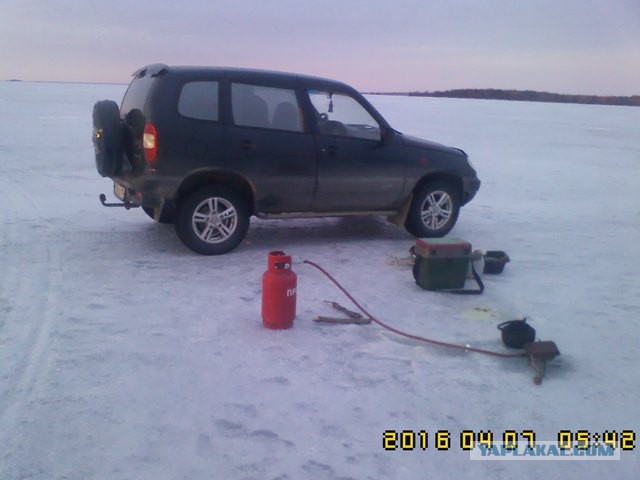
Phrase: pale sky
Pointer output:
(563, 46)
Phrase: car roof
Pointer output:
(157, 69)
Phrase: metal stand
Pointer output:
(539, 354)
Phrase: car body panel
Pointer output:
(285, 171)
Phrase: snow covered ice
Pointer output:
(125, 356)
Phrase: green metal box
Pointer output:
(441, 263)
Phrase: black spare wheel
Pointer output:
(107, 137)
(212, 220)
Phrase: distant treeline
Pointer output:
(528, 96)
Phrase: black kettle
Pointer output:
(516, 333)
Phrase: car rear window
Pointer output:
(199, 100)
(137, 94)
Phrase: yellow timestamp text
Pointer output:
(443, 440)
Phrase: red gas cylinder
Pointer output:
(279, 285)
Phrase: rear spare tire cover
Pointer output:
(107, 137)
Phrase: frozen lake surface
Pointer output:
(125, 356)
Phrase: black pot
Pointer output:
(494, 261)
(516, 333)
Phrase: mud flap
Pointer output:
(400, 218)
(157, 212)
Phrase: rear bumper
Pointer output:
(148, 191)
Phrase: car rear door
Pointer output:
(269, 143)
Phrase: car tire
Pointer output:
(434, 210)
(212, 220)
(166, 217)
(107, 138)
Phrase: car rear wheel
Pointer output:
(107, 138)
(213, 220)
(434, 210)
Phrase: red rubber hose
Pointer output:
(408, 335)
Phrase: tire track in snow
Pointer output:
(29, 260)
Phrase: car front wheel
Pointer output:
(434, 210)
(213, 220)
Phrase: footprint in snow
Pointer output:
(231, 429)
(277, 380)
(203, 446)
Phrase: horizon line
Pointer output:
(392, 93)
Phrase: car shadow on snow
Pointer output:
(270, 233)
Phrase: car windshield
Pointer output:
(342, 115)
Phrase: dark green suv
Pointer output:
(206, 148)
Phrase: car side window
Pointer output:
(265, 107)
(199, 100)
(342, 115)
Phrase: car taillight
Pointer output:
(150, 143)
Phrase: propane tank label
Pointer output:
(291, 292)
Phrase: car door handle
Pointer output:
(247, 145)
(331, 149)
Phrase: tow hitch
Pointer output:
(127, 205)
